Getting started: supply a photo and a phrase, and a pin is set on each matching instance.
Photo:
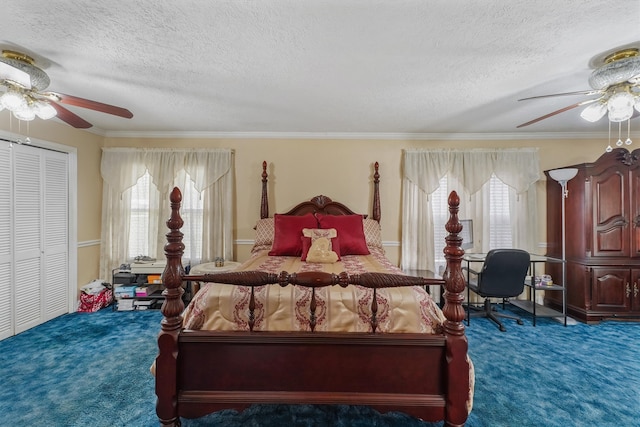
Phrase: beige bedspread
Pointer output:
(225, 307)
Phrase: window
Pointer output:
(499, 214)
(140, 214)
(495, 198)
(145, 207)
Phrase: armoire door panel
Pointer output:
(611, 241)
(635, 211)
(611, 288)
(610, 214)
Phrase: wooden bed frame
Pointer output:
(200, 372)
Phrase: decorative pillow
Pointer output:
(287, 232)
(310, 235)
(350, 230)
(372, 234)
(264, 232)
(320, 251)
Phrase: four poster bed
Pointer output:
(320, 331)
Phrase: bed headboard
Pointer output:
(321, 204)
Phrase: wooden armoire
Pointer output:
(602, 238)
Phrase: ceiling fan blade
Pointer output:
(87, 103)
(562, 110)
(70, 117)
(580, 92)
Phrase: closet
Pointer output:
(34, 237)
(602, 237)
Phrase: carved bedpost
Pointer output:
(457, 345)
(264, 201)
(376, 193)
(166, 362)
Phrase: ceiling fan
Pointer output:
(615, 81)
(26, 98)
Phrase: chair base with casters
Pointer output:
(489, 310)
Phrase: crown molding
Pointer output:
(358, 135)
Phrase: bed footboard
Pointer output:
(199, 372)
(365, 369)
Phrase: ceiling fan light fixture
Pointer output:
(23, 82)
(13, 101)
(26, 114)
(616, 79)
(620, 106)
(594, 112)
(44, 110)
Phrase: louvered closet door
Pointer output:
(56, 238)
(40, 211)
(6, 243)
(27, 204)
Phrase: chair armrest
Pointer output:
(470, 270)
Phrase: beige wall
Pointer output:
(299, 169)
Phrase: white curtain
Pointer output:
(212, 173)
(468, 172)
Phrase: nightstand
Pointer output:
(210, 268)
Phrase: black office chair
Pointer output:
(502, 276)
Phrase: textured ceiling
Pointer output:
(321, 67)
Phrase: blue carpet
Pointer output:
(93, 370)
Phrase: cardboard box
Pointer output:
(125, 291)
(154, 278)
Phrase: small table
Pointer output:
(210, 268)
(530, 305)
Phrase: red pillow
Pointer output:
(350, 231)
(306, 244)
(288, 229)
